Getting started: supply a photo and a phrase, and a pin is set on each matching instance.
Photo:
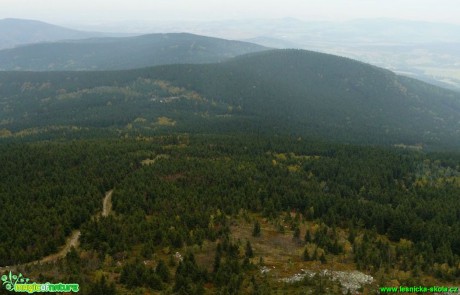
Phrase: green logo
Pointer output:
(18, 283)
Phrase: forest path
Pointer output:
(72, 241)
(107, 204)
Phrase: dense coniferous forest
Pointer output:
(50, 189)
(273, 92)
(387, 212)
(308, 174)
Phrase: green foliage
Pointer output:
(322, 258)
(102, 287)
(136, 274)
(249, 253)
(256, 231)
(49, 189)
(296, 234)
(306, 255)
(73, 261)
(105, 235)
(229, 276)
(308, 238)
(201, 183)
(163, 272)
(189, 278)
(360, 188)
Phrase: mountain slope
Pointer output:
(275, 92)
(123, 53)
(328, 96)
(14, 32)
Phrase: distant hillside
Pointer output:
(328, 96)
(274, 92)
(123, 53)
(425, 50)
(14, 32)
(277, 43)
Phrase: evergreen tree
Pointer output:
(217, 261)
(256, 232)
(308, 237)
(315, 254)
(102, 287)
(296, 234)
(162, 271)
(306, 256)
(323, 258)
(249, 252)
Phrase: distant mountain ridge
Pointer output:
(15, 32)
(123, 53)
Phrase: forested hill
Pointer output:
(123, 53)
(14, 32)
(275, 92)
(328, 96)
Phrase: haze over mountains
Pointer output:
(412, 48)
(123, 53)
(242, 87)
(422, 50)
(14, 32)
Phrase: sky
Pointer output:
(59, 11)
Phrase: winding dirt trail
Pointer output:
(107, 204)
(72, 241)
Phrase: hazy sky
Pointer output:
(59, 11)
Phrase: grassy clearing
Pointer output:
(282, 253)
(165, 121)
(152, 161)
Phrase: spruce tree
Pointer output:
(249, 253)
(307, 237)
(306, 256)
(256, 230)
(323, 259)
